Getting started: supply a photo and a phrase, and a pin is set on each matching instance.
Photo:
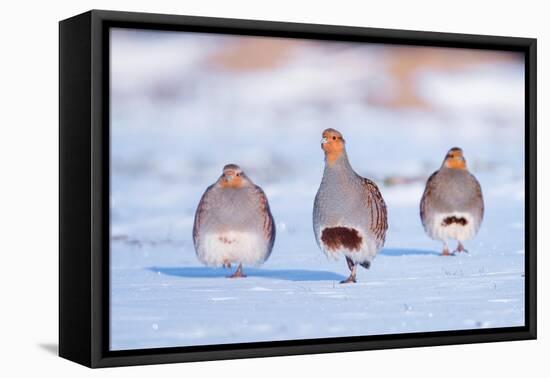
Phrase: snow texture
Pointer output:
(177, 119)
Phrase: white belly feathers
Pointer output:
(215, 249)
(457, 226)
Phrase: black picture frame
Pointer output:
(84, 188)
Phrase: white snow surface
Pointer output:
(167, 148)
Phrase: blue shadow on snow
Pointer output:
(279, 274)
(407, 252)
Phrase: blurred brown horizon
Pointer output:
(379, 75)
(404, 63)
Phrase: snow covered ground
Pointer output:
(177, 119)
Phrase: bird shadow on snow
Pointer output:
(278, 274)
(407, 252)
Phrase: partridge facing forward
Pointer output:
(233, 222)
(452, 204)
(349, 213)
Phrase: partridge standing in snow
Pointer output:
(233, 223)
(349, 213)
(452, 204)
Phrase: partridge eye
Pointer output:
(333, 138)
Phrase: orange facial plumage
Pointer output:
(455, 159)
(232, 177)
(333, 144)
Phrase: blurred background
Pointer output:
(184, 104)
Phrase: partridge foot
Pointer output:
(238, 273)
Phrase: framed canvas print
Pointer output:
(235, 188)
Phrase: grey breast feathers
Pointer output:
(359, 204)
(253, 213)
(451, 190)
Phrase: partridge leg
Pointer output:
(238, 273)
(460, 248)
(446, 251)
(366, 264)
(353, 268)
(226, 265)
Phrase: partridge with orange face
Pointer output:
(233, 222)
(349, 213)
(452, 205)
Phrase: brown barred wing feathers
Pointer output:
(379, 213)
(268, 222)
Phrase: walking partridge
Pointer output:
(349, 213)
(233, 223)
(452, 204)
